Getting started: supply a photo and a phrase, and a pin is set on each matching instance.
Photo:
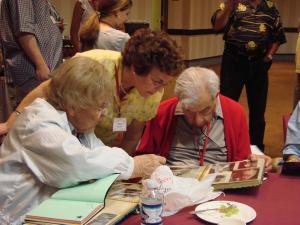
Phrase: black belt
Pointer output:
(241, 51)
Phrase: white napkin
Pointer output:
(180, 192)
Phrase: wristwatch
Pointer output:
(269, 57)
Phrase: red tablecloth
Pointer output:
(276, 202)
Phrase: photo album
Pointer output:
(229, 175)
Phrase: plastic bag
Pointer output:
(180, 192)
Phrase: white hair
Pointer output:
(193, 83)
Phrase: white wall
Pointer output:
(196, 14)
(65, 8)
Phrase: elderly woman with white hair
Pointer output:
(198, 126)
(52, 144)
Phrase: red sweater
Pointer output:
(158, 135)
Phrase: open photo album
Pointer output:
(102, 202)
(228, 175)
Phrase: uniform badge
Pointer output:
(262, 27)
(241, 7)
(222, 6)
(270, 4)
(251, 45)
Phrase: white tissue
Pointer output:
(180, 192)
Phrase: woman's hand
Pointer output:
(144, 165)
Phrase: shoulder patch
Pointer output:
(270, 4)
(241, 7)
(222, 6)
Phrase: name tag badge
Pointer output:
(120, 124)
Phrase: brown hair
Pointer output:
(79, 83)
(108, 7)
(89, 31)
(147, 49)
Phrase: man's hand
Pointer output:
(293, 158)
(231, 4)
(42, 72)
(268, 58)
(222, 16)
(268, 160)
(144, 165)
(31, 48)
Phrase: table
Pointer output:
(276, 202)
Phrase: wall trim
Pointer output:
(190, 32)
(217, 60)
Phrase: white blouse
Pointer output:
(40, 155)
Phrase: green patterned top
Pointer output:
(132, 107)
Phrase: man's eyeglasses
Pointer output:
(206, 112)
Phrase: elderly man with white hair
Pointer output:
(199, 125)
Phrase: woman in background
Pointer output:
(105, 31)
(83, 9)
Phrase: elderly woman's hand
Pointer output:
(144, 165)
(268, 160)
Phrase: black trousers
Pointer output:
(239, 70)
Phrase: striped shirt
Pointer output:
(34, 17)
(184, 149)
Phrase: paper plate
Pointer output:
(212, 211)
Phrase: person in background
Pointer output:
(32, 42)
(52, 144)
(297, 60)
(148, 63)
(106, 33)
(83, 9)
(199, 126)
(252, 34)
(291, 150)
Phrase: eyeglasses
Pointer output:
(102, 111)
(204, 113)
(158, 83)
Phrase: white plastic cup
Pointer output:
(231, 221)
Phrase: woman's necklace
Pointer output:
(122, 89)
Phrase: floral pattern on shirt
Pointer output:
(133, 105)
